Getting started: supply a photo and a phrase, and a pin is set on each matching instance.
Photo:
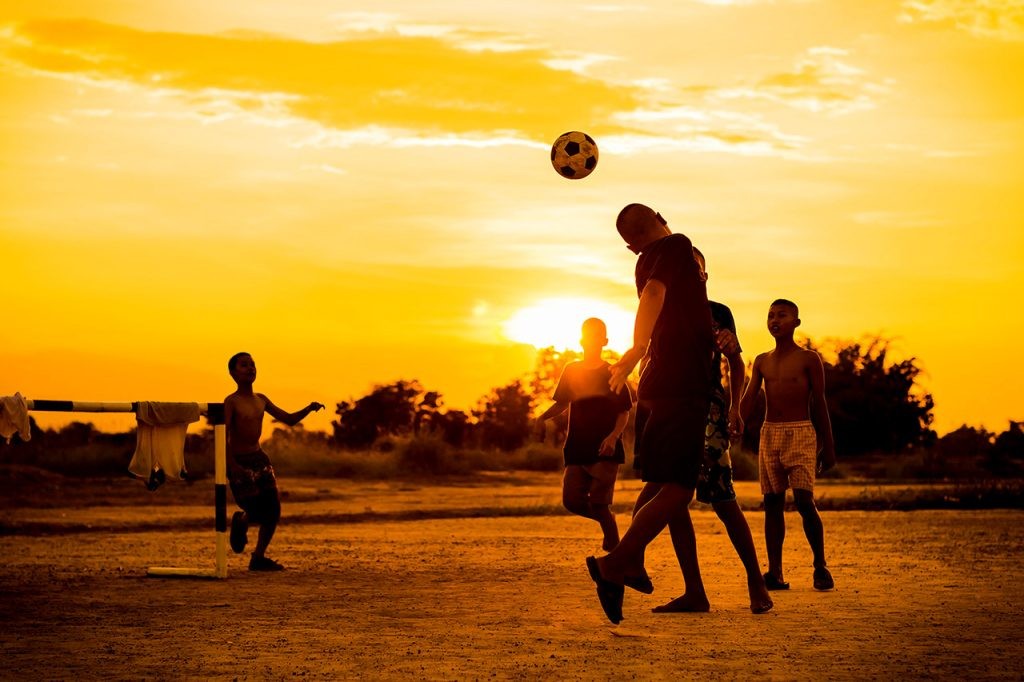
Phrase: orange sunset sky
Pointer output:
(361, 192)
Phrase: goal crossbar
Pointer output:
(215, 415)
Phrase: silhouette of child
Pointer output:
(593, 446)
(796, 439)
(250, 473)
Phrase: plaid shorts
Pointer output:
(788, 456)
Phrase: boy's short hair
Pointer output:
(595, 322)
(234, 360)
(787, 302)
(623, 223)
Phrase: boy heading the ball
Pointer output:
(796, 439)
(715, 486)
(673, 331)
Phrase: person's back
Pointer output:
(679, 359)
(593, 411)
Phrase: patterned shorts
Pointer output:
(715, 482)
(788, 456)
(254, 486)
(593, 483)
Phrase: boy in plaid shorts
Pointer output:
(796, 439)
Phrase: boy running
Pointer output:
(593, 447)
(250, 473)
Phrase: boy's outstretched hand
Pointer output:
(621, 369)
(315, 406)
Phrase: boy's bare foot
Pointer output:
(823, 579)
(760, 600)
(610, 542)
(685, 604)
(773, 583)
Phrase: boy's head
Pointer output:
(702, 267)
(242, 368)
(594, 335)
(783, 318)
(639, 225)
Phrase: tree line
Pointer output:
(877, 406)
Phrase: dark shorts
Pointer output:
(254, 486)
(670, 440)
(715, 481)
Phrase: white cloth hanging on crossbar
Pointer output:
(160, 440)
(14, 418)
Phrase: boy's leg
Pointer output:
(684, 542)
(647, 493)
(600, 495)
(743, 541)
(670, 500)
(575, 487)
(269, 516)
(815, 532)
(774, 482)
(774, 536)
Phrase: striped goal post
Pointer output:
(215, 415)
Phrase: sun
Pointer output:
(556, 322)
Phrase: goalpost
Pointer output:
(215, 415)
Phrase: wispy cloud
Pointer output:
(442, 85)
(821, 81)
(390, 83)
(999, 19)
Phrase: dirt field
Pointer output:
(375, 590)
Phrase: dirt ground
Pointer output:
(493, 586)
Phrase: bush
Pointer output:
(429, 455)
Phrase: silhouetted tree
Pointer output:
(428, 413)
(875, 404)
(387, 409)
(455, 427)
(1007, 454)
(965, 441)
(504, 417)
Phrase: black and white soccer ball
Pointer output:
(574, 155)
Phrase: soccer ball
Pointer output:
(574, 155)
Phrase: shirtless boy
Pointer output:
(250, 473)
(796, 439)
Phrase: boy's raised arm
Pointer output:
(819, 415)
(290, 418)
